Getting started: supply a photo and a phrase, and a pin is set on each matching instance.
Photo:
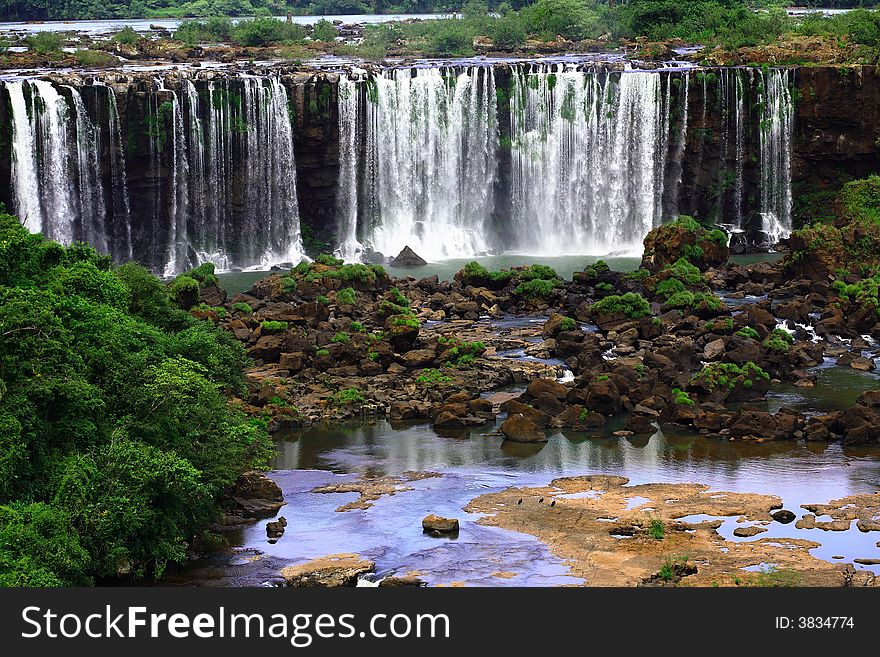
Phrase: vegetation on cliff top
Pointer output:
(116, 437)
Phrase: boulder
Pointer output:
(332, 570)
(433, 524)
(520, 429)
(783, 516)
(546, 388)
(537, 417)
(578, 418)
(419, 358)
(408, 258)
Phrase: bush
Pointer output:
(631, 304)
(346, 297)
(567, 18)
(727, 375)
(274, 327)
(117, 440)
(94, 58)
(748, 332)
(537, 288)
(45, 42)
(451, 38)
(242, 307)
(266, 31)
(341, 338)
(507, 32)
(324, 30)
(779, 341)
(348, 397)
(567, 324)
(126, 36)
(432, 377)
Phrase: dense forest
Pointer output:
(12, 10)
(116, 437)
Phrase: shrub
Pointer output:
(567, 324)
(341, 338)
(507, 32)
(748, 332)
(346, 296)
(656, 529)
(597, 270)
(779, 341)
(45, 42)
(631, 304)
(322, 352)
(537, 288)
(94, 58)
(127, 36)
(357, 327)
(324, 30)
(266, 31)
(323, 300)
(451, 37)
(242, 307)
(681, 398)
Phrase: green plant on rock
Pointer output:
(681, 398)
(341, 338)
(357, 327)
(748, 332)
(273, 327)
(321, 352)
(567, 324)
(432, 377)
(638, 276)
(779, 341)
(631, 304)
(348, 397)
(288, 285)
(242, 307)
(727, 375)
(597, 270)
(346, 296)
(721, 325)
(656, 529)
(323, 300)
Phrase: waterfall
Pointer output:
(588, 151)
(45, 173)
(92, 211)
(431, 142)
(120, 221)
(776, 130)
(349, 248)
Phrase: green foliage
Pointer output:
(567, 324)
(329, 260)
(432, 377)
(126, 36)
(322, 352)
(341, 338)
(507, 32)
(94, 58)
(323, 300)
(779, 341)
(638, 276)
(863, 293)
(45, 42)
(346, 296)
(656, 529)
(324, 30)
(266, 31)
(597, 270)
(716, 235)
(685, 272)
(681, 398)
(348, 397)
(458, 353)
(115, 438)
(215, 29)
(242, 307)
(860, 200)
(273, 327)
(631, 304)
(357, 327)
(748, 332)
(537, 288)
(727, 375)
(670, 287)
(721, 325)
(288, 284)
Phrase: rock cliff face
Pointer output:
(181, 165)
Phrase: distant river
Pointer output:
(96, 27)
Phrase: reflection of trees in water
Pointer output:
(817, 472)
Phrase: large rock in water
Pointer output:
(256, 496)
(408, 258)
(686, 238)
(332, 570)
(520, 429)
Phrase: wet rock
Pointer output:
(603, 396)
(419, 358)
(402, 581)
(535, 416)
(520, 429)
(333, 570)
(276, 528)
(256, 496)
(745, 532)
(579, 418)
(433, 524)
(546, 388)
(408, 258)
(783, 516)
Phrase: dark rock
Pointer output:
(520, 429)
(408, 258)
(783, 516)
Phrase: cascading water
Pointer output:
(776, 129)
(588, 153)
(349, 247)
(431, 142)
(46, 194)
(219, 179)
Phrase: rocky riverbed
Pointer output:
(503, 364)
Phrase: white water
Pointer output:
(431, 138)
(776, 130)
(589, 153)
(349, 248)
